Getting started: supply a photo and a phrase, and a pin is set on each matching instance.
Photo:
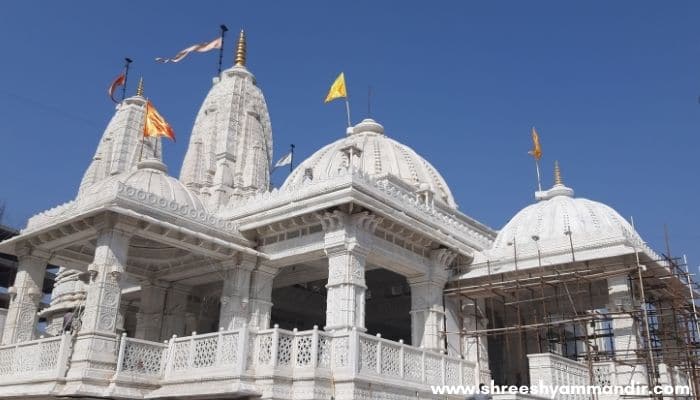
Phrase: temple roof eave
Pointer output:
(75, 221)
(443, 225)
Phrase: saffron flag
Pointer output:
(199, 48)
(285, 160)
(337, 89)
(119, 81)
(536, 151)
(155, 125)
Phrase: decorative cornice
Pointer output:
(385, 188)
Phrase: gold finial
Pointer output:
(557, 174)
(240, 50)
(139, 88)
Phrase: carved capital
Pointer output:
(336, 219)
(27, 252)
(443, 257)
(332, 220)
(110, 221)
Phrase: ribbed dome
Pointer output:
(558, 212)
(151, 177)
(375, 154)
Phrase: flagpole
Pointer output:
(143, 131)
(291, 158)
(127, 62)
(224, 29)
(347, 108)
(539, 180)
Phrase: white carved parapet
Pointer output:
(141, 359)
(222, 352)
(555, 370)
(35, 360)
(274, 358)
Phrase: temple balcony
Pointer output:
(242, 363)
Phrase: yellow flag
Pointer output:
(536, 149)
(155, 125)
(337, 89)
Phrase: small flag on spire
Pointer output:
(536, 151)
(119, 81)
(337, 90)
(285, 160)
(199, 48)
(155, 125)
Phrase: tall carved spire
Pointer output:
(139, 88)
(121, 145)
(230, 148)
(241, 50)
(557, 174)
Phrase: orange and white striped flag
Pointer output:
(199, 48)
(155, 125)
(119, 81)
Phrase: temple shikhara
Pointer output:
(358, 278)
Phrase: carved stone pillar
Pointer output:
(427, 311)
(347, 241)
(235, 294)
(174, 314)
(95, 350)
(626, 333)
(104, 289)
(150, 316)
(261, 296)
(25, 295)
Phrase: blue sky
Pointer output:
(611, 86)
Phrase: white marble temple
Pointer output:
(173, 283)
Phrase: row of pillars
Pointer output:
(247, 289)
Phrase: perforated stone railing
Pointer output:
(604, 374)
(392, 360)
(41, 359)
(289, 354)
(218, 352)
(553, 369)
(141, 358)
(293, 351)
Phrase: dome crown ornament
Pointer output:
(139, 88)
(559, 189)
(241, 50)
(557, 174)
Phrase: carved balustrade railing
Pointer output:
(392, 360)
(555, 370)
(141, 359)
(219, 352)
(290, 354)
(35, 360)
(295, 352)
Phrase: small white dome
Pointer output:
(558, 212)
(375, 154)
(151, 176)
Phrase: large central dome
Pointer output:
(376, 155)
